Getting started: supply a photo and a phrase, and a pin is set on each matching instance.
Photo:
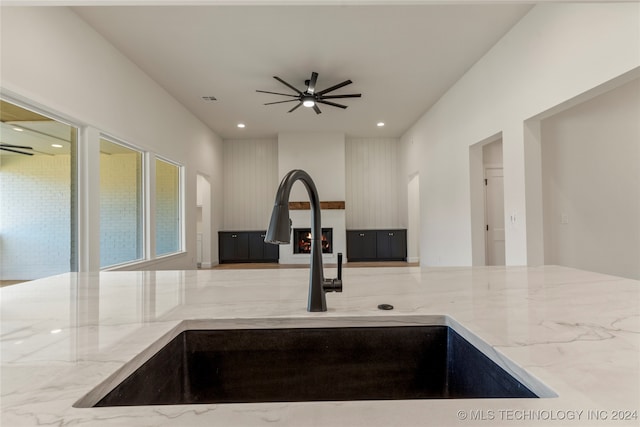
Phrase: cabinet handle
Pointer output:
(263, 235)
(390, 234)
(361, 234)
(234, 235)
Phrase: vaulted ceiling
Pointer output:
(401, 58)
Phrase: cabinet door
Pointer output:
(233, 246)
(226, 246)
(398, 244)
(256, 246)
(361, 245)
(383, 241)
(259, 250)
(242, 246)
(271, 251)
(392, 244)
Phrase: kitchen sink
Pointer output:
(292, 364)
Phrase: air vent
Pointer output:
(209, 98)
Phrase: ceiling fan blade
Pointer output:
(316, 109)
(280, 102)
(276, 93)
(332, 88)
(24, 147)
(333, 104)
(351, 95)
(15, 151)
(295, 107)
(287, 84)
(311, 88)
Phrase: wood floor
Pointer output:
(249, 266)
(10, 282)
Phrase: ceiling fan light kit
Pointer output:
(310, 98)
(308, 101)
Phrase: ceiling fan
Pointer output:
(16, 149)
(310, 98)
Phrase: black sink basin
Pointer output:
(315, 364)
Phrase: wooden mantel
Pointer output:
(302, 206)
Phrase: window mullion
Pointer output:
(150, 208)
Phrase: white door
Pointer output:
(494, 216)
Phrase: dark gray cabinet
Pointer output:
(377, 245)
(361, 245)
(233, 246)
(261, 251)
(391, 244)
(246, 246)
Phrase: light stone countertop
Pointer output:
(575, 331)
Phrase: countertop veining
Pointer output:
(578, 332)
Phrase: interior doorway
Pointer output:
(494, 203)
(413, 208)
(487, 202)
(494, 216)
(203, 224)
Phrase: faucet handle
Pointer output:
(334, 285)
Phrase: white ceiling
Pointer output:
(47, 137)
(401, 58)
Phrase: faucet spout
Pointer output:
(279, 232)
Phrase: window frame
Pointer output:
(75, 166)
(85, 220)
(142, 201)
(180, 208)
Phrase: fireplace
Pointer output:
(302, 240)
(332, 220)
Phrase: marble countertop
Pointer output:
(575, 331)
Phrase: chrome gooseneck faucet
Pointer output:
(279, 232)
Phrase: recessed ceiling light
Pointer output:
(241, 125)
(380, 124)
(56, 331)
(18, 129)
(56, 145)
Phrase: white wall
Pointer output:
(250, 183)
(321, 155)
(372, 183)
(409, 156)
(591, 184)
(492, 154)
(52, 59)
(555, 53)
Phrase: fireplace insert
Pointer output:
(302, 240)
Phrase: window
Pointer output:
(37, 194)
(168, 225)
(121, 204)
